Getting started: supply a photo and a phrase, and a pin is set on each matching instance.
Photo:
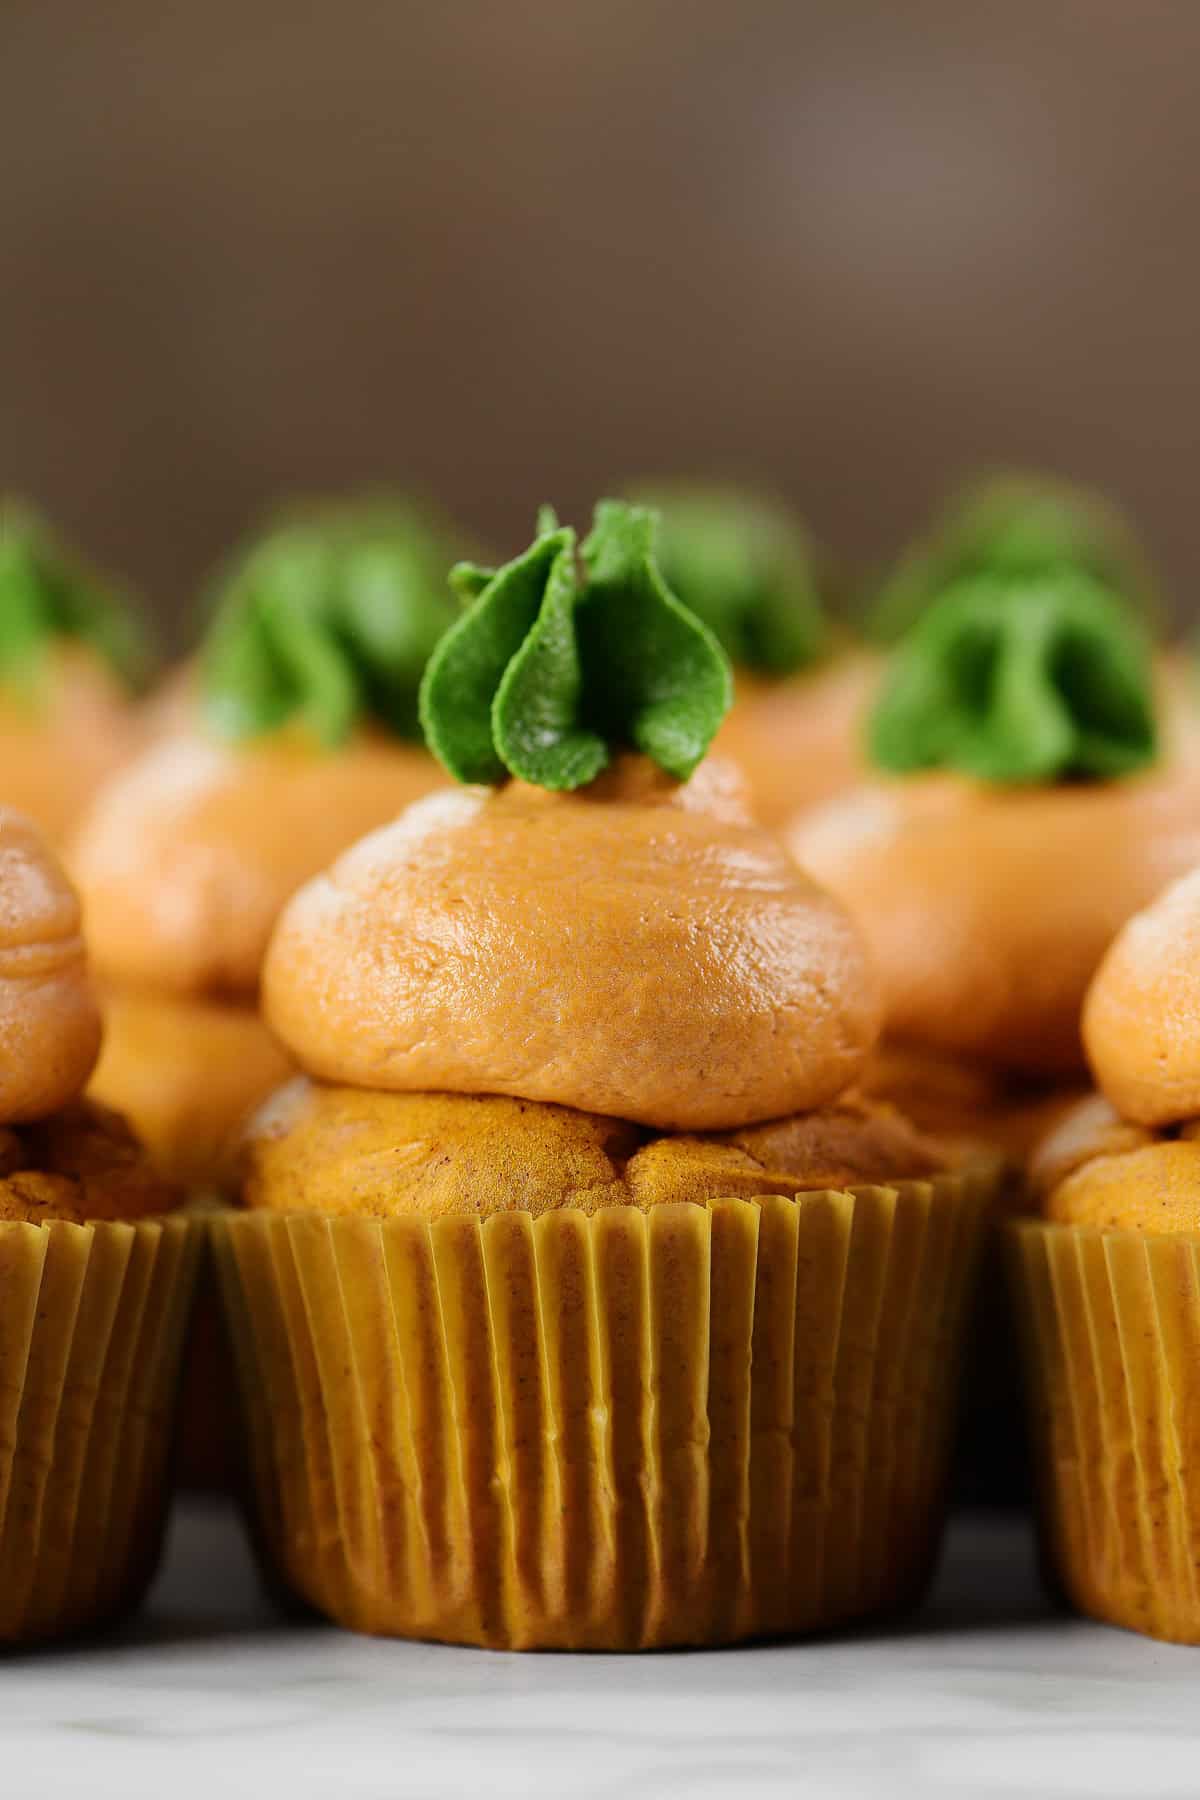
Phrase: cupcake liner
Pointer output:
(616, 1431)
(207, 1439)
(1110, 1323)
(91, 1323)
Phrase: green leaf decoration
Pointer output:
(1017, 525)
(1020, 680)
(47, 592)
(747, 568)
(556, 666)
(329, 620)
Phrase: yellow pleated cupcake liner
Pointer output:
(1110, 1322)
(686, 1426)
(91, 1324)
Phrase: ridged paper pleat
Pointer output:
(691, 1425)
(1111, 1330)
(91, 1323)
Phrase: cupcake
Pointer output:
(1015, 525)
(300, 734)
(1105, 1283)
(747, 568)
(1021, 814)
(1018, 527)
(578, 1299)
(70, 657)
(95, 1281)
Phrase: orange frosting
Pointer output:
(185, 1073)
(800, 739)
(636, 949)
(190, 853)
(357, 1150)
(1141, 1022)
(49, 1023)
(989, 909)
(60, 743)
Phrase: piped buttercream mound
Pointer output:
(1142, 1017)
(638, 949)
(49, 1022)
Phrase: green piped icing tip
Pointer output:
(47, 592)
(328, 620)
(1017, 526)
(555, 666)
(747, 568)
(1020, 680)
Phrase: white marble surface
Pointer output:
(987, 1694)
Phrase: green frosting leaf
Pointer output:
(330, 619)
(745, 567)
(1017, 526)
(1020, 680)
(46, 592)
(553, 668)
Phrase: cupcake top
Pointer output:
(302, 736)
(1015, 525)
(745, 565)
(49, 1022)
(1096, 1168)
(358, 1150)
(608, 931)
(71, 653)
(1030, 823)
(1141, 1021)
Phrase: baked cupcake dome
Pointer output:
(572, 1331)
(96, 1285)
(71, 657)
(1106, 1290)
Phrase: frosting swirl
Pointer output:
(638, 950)
(190, 852)
(989, 909)
(49, 1022)
(1141, 1021)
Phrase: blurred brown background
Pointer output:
(509, 251)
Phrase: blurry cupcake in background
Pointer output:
(578, 1299)
(1016, 525)
(1019, 526)
(95, 1285)
(1107, 1287)
(747, 567)
(299, 734)
(1022, 811)
(71, 658)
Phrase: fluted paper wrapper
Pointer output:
(91, 1323)
(686, 1426)
(1110, 1322)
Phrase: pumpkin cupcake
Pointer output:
(1023, 811)
(1015, 525)
(1020, 527)
(747, 568)
(70, 657)
(578, 1299)
(299, 735)
(94, 1285)
(1108, 1292)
